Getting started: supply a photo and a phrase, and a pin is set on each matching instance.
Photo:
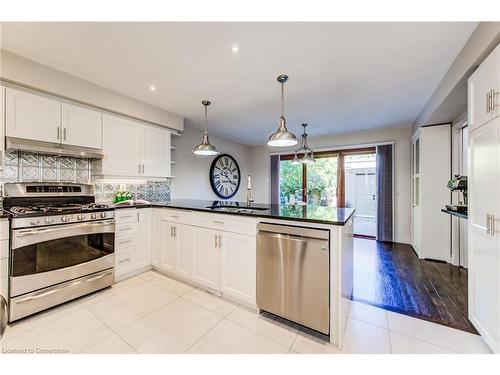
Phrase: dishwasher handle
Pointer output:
(322, 234)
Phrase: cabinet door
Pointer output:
(169, 250)
(483, 91)
(238, 266)
(157, 240)
(124, 250)
(142, 254)
(32, 116)
(206, 257)
(121, 143)
(156, 152)
(484, 246)
(81, 126)
(184, 237)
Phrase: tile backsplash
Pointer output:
(153, 191)
(22, 166)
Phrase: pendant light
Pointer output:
(205, 148)
(282, 138)
(308, 157)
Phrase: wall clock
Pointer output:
(225, 176)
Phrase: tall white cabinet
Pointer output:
(484, 199)
(431, 171)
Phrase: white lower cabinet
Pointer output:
(206, 257)
(212, 258)
(132, 241)
(238, 267)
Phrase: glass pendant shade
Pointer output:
(296, 159)
(308, 157)
(282, 137)
(205, 148)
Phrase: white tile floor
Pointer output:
(151, 313)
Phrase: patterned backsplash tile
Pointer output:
(22, 166)
(153, 191)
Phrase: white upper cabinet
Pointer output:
(484, 91)
(122, 145)
(133, 149)
(31, 116)
(81, 126)
(156, 152)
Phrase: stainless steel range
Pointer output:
(62, 245)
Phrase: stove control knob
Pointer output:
(93, 215)
(80, 217)
(103, 215)
(34, 222)
(49, 220)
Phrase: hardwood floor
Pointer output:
(390, 276)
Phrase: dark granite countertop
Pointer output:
(462, 215)
(315, 214)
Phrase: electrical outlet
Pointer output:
(123, 187)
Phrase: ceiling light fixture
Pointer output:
(152, 88)
(205, 148)
(308, 157)
(235, 49)
(282, 137)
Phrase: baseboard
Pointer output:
(403, 239)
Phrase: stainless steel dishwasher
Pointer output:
(293, 274)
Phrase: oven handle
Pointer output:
(28, 232)
(25, 237)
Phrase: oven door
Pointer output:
(41, 257)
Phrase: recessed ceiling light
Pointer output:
(235, 49)
(152, 88)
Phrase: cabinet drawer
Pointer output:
(123, 242)
(123, 259)
(226, 223)
(4, 249)
(124, 229)
(4, 230)
(128, 215)
(4, 268)
(176, 216)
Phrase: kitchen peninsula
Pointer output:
(214, 245)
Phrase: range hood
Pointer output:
(12, 143)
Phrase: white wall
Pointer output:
(260, 167)
(191, 180)
(17, 69)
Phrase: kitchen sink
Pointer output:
(238, 209)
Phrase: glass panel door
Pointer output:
(290, 182)
(322, 182)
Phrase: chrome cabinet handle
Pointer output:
(218, 222)
(171, 232)
(175, 232)
(143, 169)
(58, 132)
(139, 168)
(124, 242)
(492, 225)
(488, 223)
(174, 217)
(125, 228)
(124, 260)
(493, 100)
(487, 102)
(216, 241)
(64, 134)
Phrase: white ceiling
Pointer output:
(343, 76)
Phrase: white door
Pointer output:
(483, 88)
(122, 141)
(81, 126)
(32, 116)
(484, 247)
(416, 232)
(156, 152)
(238, 267)
(206, 257)
(184, 237)
(169, 250)
(142, 254)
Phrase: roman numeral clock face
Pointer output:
(225, 176)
